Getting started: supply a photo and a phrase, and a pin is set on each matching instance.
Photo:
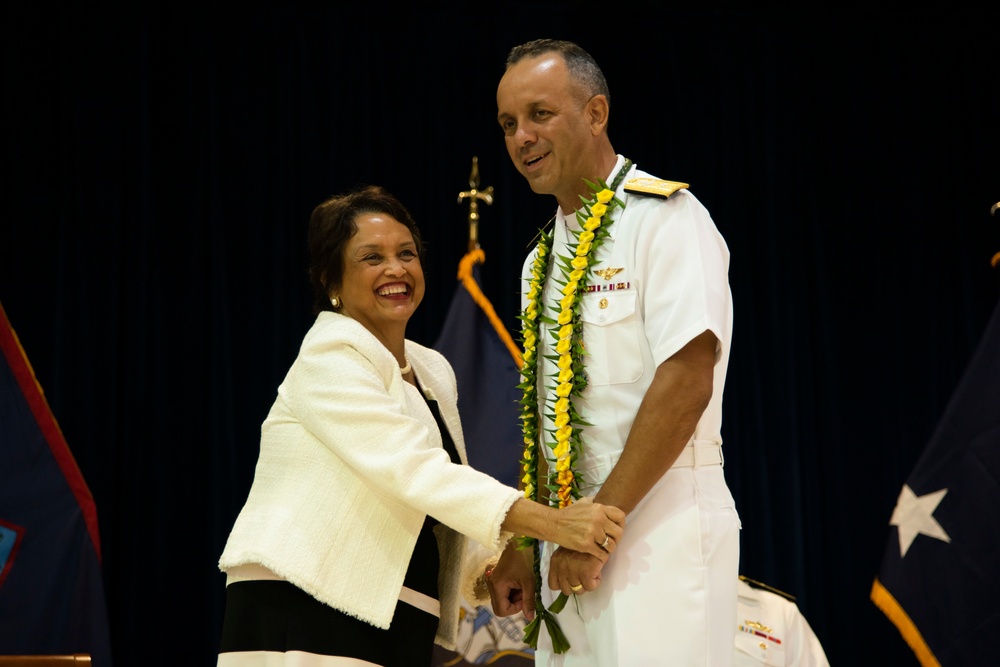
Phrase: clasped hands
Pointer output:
(587, 534)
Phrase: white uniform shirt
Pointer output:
(670, 587)
(672, 285)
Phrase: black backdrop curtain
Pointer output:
(161, 161)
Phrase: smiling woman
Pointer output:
(355, 538)
(374, 276)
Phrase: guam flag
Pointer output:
(939, 582)
(51, 592)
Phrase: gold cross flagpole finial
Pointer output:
(474, 195)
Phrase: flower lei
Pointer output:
(594, 219)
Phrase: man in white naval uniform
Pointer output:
(657, 324)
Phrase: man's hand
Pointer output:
(568, 570)
(512, 582)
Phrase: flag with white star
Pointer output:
(939, 581)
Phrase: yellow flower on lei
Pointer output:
(565, 439)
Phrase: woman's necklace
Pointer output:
(594, 218)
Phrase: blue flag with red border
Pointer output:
(939, 581)
(51, 592)
(486, 363)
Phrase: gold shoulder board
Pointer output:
(759, 584)
(653, 186)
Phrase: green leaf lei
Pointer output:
(565, 439)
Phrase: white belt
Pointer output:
(699, 453)
(695, 454)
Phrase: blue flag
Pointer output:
(939, 581)
(51, 592)
(487, 365)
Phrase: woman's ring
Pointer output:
(578, 587)
(605, 544)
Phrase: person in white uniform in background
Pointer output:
(771, 630)
(651, 294)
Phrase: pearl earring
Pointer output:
(335, 301)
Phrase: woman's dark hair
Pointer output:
(334, 222)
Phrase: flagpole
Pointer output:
(475, 255)
(996, 257)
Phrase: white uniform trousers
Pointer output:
(668, 594)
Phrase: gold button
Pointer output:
(603, 303)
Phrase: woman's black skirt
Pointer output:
(274, 623)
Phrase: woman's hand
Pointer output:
(589, 527)
(584, 526)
